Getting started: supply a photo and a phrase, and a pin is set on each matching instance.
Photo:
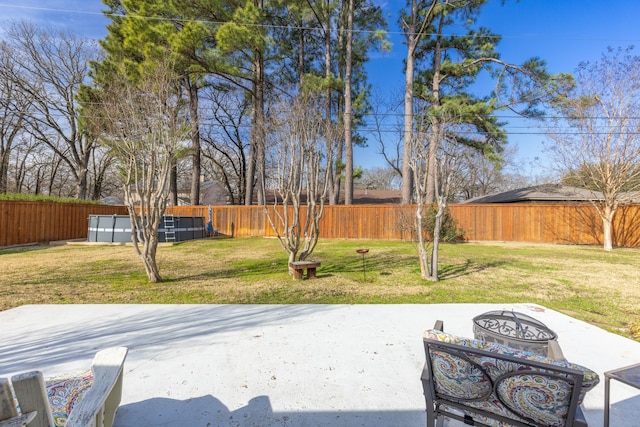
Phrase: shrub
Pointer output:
(22, 197)
(449, 232)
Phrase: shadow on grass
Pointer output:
(243, 269)
(467, 268)
(8, 250)
(382, 265)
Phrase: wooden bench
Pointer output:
(297, 269)
(98, 405)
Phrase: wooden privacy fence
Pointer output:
(30, 222)
(541, 223)
(380, 222)
(33, 222)
(546, 223)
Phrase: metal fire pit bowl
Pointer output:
(513, 329)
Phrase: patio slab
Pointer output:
(281, 365)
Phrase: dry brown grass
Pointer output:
(585, 282)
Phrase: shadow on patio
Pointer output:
(281, 365)
(207, 411)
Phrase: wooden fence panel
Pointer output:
(23, 222)
(31, 222)
(539, 223)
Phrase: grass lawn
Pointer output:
(582, 281)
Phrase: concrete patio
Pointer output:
(281, 365)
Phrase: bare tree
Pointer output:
(21, 164)
(226, 140)
(53, 67)
(300, 171)
(446, 181)
(35, 168)
(146, 127)
(387, 125)
(14, 106)
(480, 175)
(103, 174)
(379, 178)
(600, 148)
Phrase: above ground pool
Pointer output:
(117, 228)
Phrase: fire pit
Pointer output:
(513, 329)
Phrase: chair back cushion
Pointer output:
(65, 391)
(506, 388)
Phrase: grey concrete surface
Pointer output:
(281, 365)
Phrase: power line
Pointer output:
(306, 28)
(463, 116)
(48, 9)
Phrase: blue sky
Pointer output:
(562, 32)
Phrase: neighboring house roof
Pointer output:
(211, 193)
(360, 197)
(374, 197)
(546, 193)
(112, 200)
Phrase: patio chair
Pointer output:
(488, 384)
(87, 399)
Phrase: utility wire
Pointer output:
(306, 28)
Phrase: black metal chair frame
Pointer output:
(437, 403)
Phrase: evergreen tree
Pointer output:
(143, 32)
(447, 64)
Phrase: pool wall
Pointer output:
(117, 228)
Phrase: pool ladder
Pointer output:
(169, 228)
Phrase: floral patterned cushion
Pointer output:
(65, 391)
(522, 396)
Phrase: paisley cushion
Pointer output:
(458, 378)
(499, 386)
(65, 391)
(540, 398)
(589, 379)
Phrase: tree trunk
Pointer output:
(260, 132)
(173, 186)
(333, 163)
(435, 131)
(348, 172)
(301, 53)
(435, 251)
(149, 260)
(81, 183)
(407, 181)
(195, 142)
(4, 170)
(423, 255)
(431, 162)
(256, 169)
(251, 173)
(607, 228)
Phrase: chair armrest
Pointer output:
(8, 411)
(98, 406)
(7, 404)
(31, 394)
(19, 421)
(554, 351)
